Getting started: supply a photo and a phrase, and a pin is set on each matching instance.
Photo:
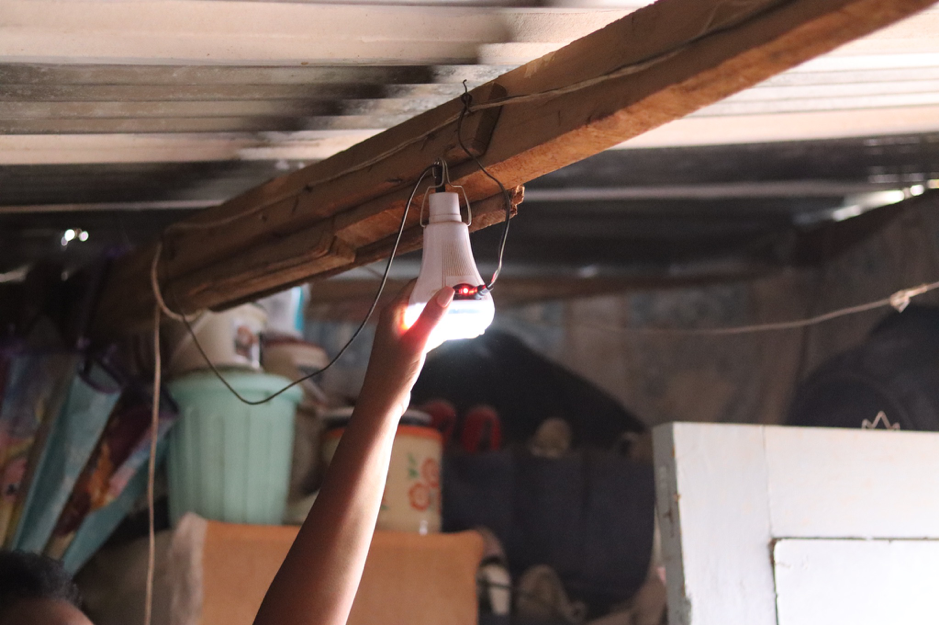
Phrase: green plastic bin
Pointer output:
(229, 461)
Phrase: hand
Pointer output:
(398, 354)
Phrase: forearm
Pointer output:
(317, 582)
(319, 578)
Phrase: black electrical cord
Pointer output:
(437, 170)
(467, 100)
(342, 350)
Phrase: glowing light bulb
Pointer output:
(447, 260)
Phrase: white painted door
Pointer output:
(770, 525)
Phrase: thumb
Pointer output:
(433, 312)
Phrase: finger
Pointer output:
(433, 312)
(393, 312)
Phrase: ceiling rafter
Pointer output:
(656, 65)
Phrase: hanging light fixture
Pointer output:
(447, 260)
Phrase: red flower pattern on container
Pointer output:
(419, 495)
(430, 471)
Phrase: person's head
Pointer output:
(37, 590)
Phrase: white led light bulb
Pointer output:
(447, 260)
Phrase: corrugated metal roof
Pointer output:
(153, 108)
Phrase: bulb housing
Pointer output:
(447, 260)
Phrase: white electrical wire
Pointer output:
(161, 305)
(899, 301)
(151, 467)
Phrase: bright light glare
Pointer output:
(861, 203)
(876, 199)
(847, 212)
(465, 319)
(69, 235)
(83, 235)
(917, 189)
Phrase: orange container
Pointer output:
(411, 502)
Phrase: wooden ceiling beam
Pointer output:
(651, 67)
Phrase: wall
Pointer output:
(746, 378)
(615, 341)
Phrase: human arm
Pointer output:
(318, 580)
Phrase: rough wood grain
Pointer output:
(485, 213)
(669, 59)
(750, 43)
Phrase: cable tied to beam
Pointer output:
(468, 107)
(161, 306)
(467, 100)
(155, 286)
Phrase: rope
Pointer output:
(157, 293)
(899, 301)
(151, 468)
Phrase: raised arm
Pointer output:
(320, 575)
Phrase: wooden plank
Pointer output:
(653, 66)
(55, 149)
(147, 125)
(694, 131)
(769, 37)
(45, 149)
(298, 253)
(300, 108)
(899, 99)
(297, 200)
(200, 93)
(486, 213)
(281, 33)
(207, 76)
(167, 205)
(313, 250)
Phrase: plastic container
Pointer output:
(411, 502)
(285, 310)
(229, 461)
(230, 338)
(339, 417)
(295, 358)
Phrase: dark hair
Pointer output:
(31, 576)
